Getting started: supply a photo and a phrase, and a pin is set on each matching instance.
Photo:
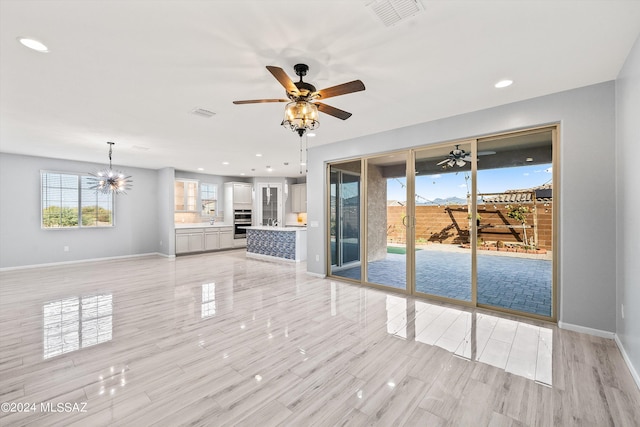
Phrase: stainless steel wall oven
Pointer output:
(241, 218)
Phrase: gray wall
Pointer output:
(165, 208)
(587, 149)
(24, 242)
(628, 206)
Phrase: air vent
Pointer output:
(390, 12)
(203, 112)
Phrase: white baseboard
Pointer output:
(319, 275)
(270, 258)
(632, 369)
(80, 261)
(585, 330)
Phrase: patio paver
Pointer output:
(517, 283)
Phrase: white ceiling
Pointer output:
(131, 71)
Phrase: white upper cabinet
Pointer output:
(237, 195)
(186, 195)
(299, 198)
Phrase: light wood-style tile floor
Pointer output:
(219, 339)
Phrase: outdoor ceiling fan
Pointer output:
(459, 157)
(456, 157)
(301, 112)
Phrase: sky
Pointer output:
(450, 184)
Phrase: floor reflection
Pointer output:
(208, 306)
(517, 347)
(76, 322)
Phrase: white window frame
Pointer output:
(203, 185)
(76, 200)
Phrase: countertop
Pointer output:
(268, 228)
(201, 225)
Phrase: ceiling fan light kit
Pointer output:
(301, 112)
(300, 116)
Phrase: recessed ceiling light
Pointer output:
(311, 134)
(242, 174)
(200, 169)
(303, 164)
(258, 155)
(225, 163)
(33, 44)
(503, 83)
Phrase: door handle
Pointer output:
(404, 220)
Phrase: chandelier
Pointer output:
(108, 180)
(300, 116)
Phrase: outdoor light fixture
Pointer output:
(301, 116)
(110, 181)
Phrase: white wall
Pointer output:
(587, 150)
(628, 207)
(22, 240)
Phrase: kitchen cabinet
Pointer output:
(238, 195)
(207, 238)
(189, 240)
(226, 238)
(299, 198)
(211, 240)
(185, 195)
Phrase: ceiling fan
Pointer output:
(459, 157)
(302, 111)
(456, 157)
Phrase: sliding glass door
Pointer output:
(388, 230)
(344, 219)
(469, 222)
(443, 221)
(515, 208)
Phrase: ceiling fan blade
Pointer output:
(283, 78)
(332, 111)
(343, 89)
(258, 101)
(442, 162)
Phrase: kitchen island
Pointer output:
(277, 243)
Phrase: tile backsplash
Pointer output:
(192, 218)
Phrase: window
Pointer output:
(68, 201)
(209, 198)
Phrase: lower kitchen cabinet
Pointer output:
(203, 239)
(226, 238)
(182, 243)
(211, 240)
(189, 240)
